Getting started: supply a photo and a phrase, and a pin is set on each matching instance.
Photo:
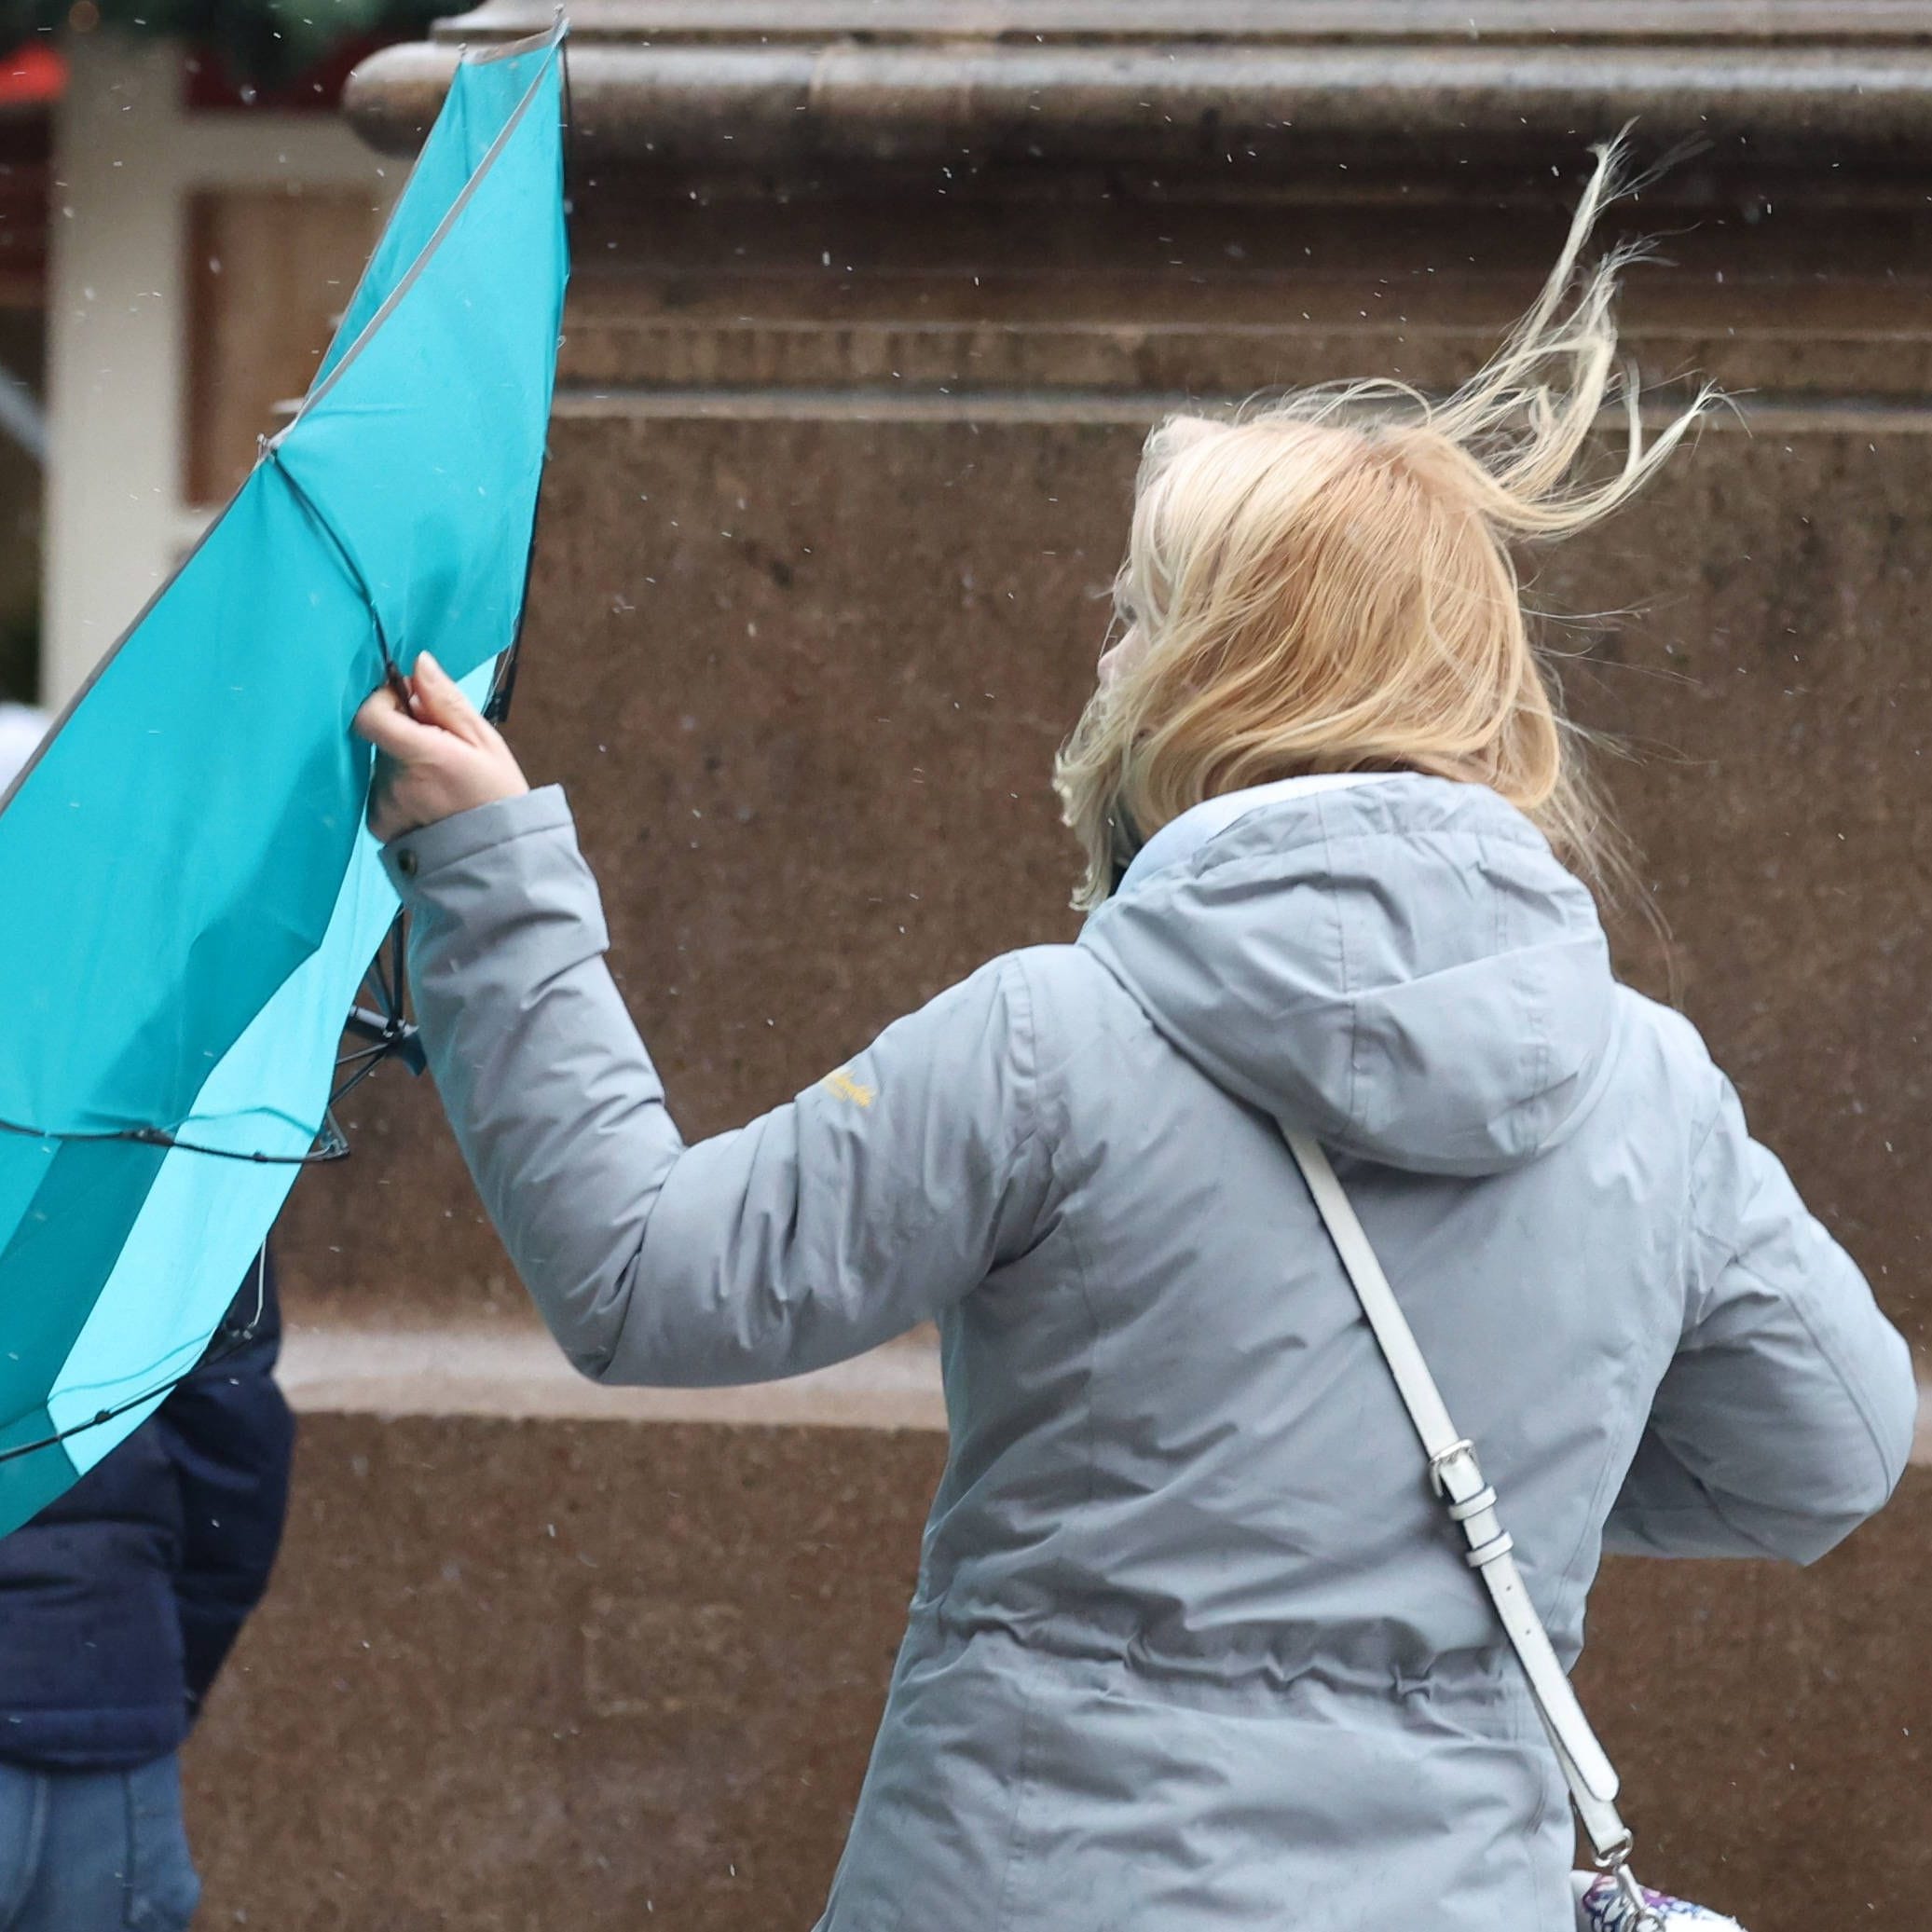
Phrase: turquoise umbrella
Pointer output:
(191, 901)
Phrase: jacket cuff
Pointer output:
(415, 858)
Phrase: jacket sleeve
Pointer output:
(228, 1434)
(1786, 1416)
(866, 1205)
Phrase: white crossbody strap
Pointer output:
(1457, 1479)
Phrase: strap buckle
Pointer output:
(1439, 1464)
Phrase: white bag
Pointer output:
(1609, 1900)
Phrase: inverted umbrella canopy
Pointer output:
(188, 898)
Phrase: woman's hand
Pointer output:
(437, 755)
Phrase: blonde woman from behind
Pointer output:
(1191, 1649)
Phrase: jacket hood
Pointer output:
(1399, 966)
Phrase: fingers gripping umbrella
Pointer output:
(188, 898)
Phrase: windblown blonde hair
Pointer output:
(1327, 583)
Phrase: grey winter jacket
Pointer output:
(1192, 1647)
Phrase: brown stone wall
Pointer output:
(537, 1675)
(517, 1677)
(842, 470)
(803, 671)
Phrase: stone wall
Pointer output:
(517, 1676)
(842, 465)
(801, 666)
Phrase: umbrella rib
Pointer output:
(329, 1142)
(340, 543)
(387, 1029)
(237, 1339)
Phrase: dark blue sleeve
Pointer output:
(229, 1436)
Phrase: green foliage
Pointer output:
(265, 42)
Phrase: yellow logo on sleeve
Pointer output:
(841, 1081)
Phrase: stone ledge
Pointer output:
(1283, 23)
(1240, 94)
(509, 1372)
(861, 403)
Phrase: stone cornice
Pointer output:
(1214, 22)
(1246, 93)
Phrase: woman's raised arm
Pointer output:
(833, 1222)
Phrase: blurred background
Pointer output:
(874, 301)
(183, 213)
